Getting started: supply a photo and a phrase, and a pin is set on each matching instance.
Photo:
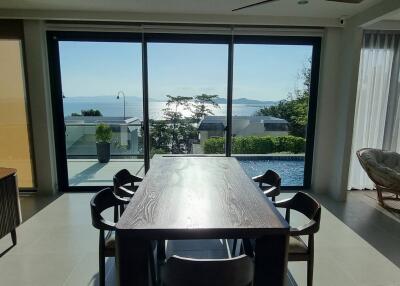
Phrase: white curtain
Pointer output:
(377, 114)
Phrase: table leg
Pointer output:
(271, 258)
(131, 260)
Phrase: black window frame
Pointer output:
(53, 37)
(315, 42)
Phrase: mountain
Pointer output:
(245, 101)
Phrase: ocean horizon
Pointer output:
(135, 109)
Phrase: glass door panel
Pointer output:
(103, 110)
(15, 149)
(271, 91)
(187, 98)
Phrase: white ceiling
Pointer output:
(393, 17)
(315, 8)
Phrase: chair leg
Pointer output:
(14, 237)
(273, 198)
(234, 247)
(116, 216)
(380, 197)
(310, 271)
(102, 271)
(153, 271)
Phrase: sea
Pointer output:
(135, 109)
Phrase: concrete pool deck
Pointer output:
(89, 172)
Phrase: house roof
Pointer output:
(214, 126)
(100, 119)
(211, 123)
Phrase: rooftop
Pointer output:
(101, 119)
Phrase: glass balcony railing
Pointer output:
(126, 142)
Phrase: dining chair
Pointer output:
(124, 186)
(298, 249)
(100, 202)
(182, 271)
(269, 183)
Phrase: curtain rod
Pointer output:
(186, 29)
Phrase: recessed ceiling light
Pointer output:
(302, 2)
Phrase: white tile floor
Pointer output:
(58, 246)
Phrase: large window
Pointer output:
(102, 103)
(187, 96)
(271, 91)
(252, 97)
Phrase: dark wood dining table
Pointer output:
(200, 198)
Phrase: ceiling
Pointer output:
(393, 16)
(315, 8)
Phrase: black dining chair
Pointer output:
(298, 249)
(100, 202)
(124, 186)
(182, 271)
(269, 183)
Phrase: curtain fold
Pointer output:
(377, 114)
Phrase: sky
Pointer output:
(261, 72)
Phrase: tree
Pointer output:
(201, 106)
(160, 138)
(176, 132)
(294, 109)
(88, 112)
(174, 116)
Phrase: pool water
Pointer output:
(291, 171)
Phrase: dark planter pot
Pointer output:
(103, 152)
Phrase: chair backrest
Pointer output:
(101, 201)
(180, 271)
(308, 206)
(125, 177)
(270, 177)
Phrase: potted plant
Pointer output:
(103, 139)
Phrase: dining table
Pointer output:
(204, 197)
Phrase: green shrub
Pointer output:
(257, 144)
(103, 133)
(214, 146)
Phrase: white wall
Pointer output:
(327, 110)
(40, 102)
(335, 110)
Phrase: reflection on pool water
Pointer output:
(291, 169)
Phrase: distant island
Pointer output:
(109, 98)
(245, 101)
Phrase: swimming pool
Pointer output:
(290, 168)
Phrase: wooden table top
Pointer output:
(5, 172)
(199, 197)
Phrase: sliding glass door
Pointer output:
(102, 106)
(151, 95)
(187, 97)
(271, 96)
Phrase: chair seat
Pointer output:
(297, 245)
